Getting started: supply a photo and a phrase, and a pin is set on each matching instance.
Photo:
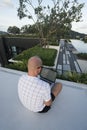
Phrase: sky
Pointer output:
(8, 16)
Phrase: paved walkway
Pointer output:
(83, 65)
(67, 60)
(56, 60)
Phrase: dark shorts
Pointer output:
(47, 108)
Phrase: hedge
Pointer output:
(75, 77)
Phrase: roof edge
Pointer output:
(64, 82)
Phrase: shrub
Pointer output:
(83, 78)
(75, 77)
(18, 66)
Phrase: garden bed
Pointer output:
(47, 55)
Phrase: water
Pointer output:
(80, 46)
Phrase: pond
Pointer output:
(80, 46)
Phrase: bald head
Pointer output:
(34, 62)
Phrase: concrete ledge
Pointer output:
(68, 112)
(64, 82)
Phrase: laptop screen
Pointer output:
(48, 75)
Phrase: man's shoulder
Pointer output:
(44, 82)
(23, 76)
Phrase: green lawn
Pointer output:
(47, 55)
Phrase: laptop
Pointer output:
(48, 75)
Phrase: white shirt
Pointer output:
(33, 92)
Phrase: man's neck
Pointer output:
(32, 74)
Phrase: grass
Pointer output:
(47, 55)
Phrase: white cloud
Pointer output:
(6, 3)
(3, 28)
(80, 27)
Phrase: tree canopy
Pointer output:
(55, 20)
(13, 30)
(29, 29)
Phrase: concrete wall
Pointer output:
(3, 57)
(7, 42)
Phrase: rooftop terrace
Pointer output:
(68, 112)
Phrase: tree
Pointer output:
(62, 14)
(24, 29)
(29, 29)
(55, 20)
(13, 30)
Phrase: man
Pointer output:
(34, 93)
